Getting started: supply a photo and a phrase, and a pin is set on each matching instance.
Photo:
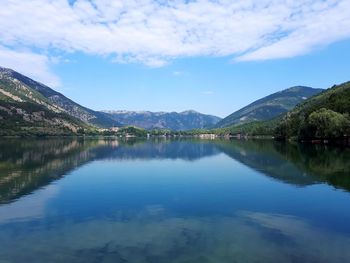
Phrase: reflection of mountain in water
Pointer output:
(167, 149)
(26, 165)
(293, 163)
(262, 156)
(326, 164)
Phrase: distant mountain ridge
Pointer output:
(186, 120)
(57, 100)
(30, 107)
(269, 107)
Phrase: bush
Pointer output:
(328, 124)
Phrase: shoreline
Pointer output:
(314, 141)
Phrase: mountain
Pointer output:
(325, 115)
(186, 120)
(14, 84)
(25, 111)
(269, 107)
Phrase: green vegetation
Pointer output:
(130, 131)
(329, 124)
(269, 107)
(28, 108)
(256, 128)
(30, 119)
(324, 116)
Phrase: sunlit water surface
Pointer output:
(75, 200)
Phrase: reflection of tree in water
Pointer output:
(151, 233)
(26, 165)
(261, 155)
(327, 164)
(297, 164)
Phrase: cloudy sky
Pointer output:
(212, 56)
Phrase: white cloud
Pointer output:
(326, 24)
(154, 32)
(30, 64)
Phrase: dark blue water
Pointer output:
(75, 200)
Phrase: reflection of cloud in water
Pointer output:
(309, 244)
(154, 236)
(30, 207)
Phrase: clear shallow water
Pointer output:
(173, 201)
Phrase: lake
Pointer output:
(167, 201)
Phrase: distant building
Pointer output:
(114, 129)
(208, 136)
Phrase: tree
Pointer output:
(329, 124)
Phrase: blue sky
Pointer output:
(210, 56)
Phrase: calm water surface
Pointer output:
(75, 200)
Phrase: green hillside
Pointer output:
(325, 115)
(269, 107)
